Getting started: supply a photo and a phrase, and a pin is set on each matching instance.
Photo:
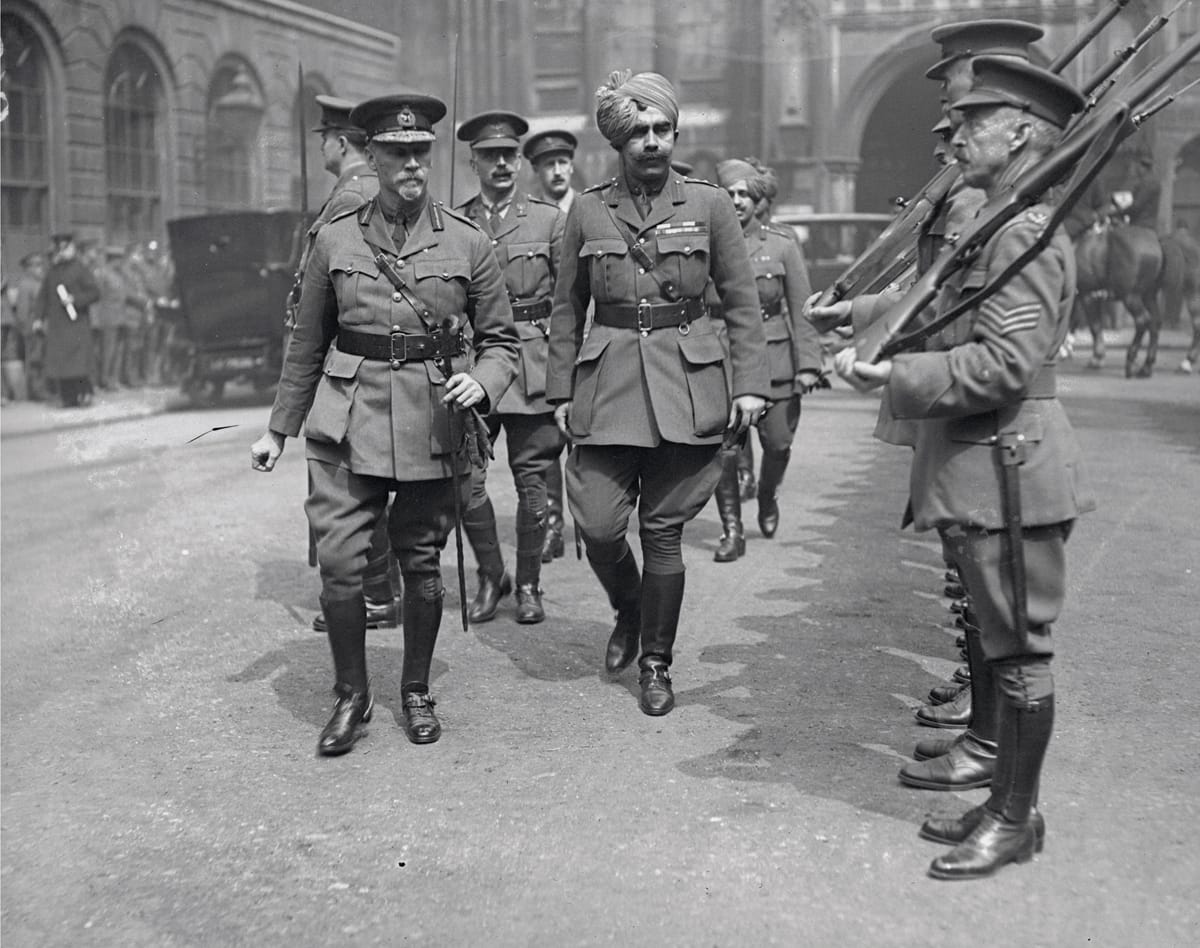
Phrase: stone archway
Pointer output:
(897, 147)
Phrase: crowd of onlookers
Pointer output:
(83, 317)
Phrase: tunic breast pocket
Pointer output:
(704, 365)
(683, 259)
(605, 258)
(329, 418)
(528, 269)
(442, 284)
(356, 281)
(768, 280)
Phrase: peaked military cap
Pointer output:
(551, 142)
(406, 117)
(493, 130)
(1000, 80)
(983, 38)
(335, 114)
(943, 128)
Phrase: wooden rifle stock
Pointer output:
(894, 250)
(1088, 144)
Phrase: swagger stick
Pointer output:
(447, 370)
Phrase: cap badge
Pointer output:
(406, 119)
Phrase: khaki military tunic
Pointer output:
(374, 417)
(528, 245)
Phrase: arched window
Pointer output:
(24, 151)
(133, 136)
(235, 111)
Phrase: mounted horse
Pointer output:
(1123, 262)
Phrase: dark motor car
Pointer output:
(831, 242)
(233, 271)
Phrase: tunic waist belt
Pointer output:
(526, 311)
(772, 309)
(647, 316)
(399, 347)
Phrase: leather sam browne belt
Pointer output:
(398, 347)
(526, 311)
(645, 317)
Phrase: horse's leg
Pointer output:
(1193, 353)
(1141, 322)
(1094, 316)
(1154, 316)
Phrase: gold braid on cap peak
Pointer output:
(619, 99)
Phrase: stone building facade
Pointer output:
(126, 113)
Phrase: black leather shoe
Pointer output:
(491, 590)
(732, 546)
(351, 709)
(959, 606)
(927, 750)
(657, 697)
(420, 723)
(956, 713)
(962, 674)
(529, 604)
(554, 547)
(992, 844)
(768, 516)
(941, 694)
(951, 832)
(953, 591)
(381, 614)
(966, 765)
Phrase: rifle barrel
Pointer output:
(1090, 32)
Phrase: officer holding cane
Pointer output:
(388, 293)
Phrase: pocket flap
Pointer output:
(599, 246)
(341, 365)
(354, 263)
(529, 249)
(701, 348)
(683, 243)
(445, 269)
(593, 347)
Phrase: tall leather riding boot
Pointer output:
(422, 619)
(774, 463)
(347, 630)
(622, 581)
(494, 581)
(968, 761)
(729, 505)
(1006, 831)
(553, 547)
(379, 592)
(531, 537)
(662, 598)
(747, 487)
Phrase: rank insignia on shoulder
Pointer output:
(682, 229)
(1037, 217)
(601, 186)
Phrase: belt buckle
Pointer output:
(644, 327)
(398, 357)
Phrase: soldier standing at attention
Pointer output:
(645, 397)
(793, 353)
(526, 235)
(990, 430)
(552, 155)
(968, 761)
(376, 372)
(344, 150)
